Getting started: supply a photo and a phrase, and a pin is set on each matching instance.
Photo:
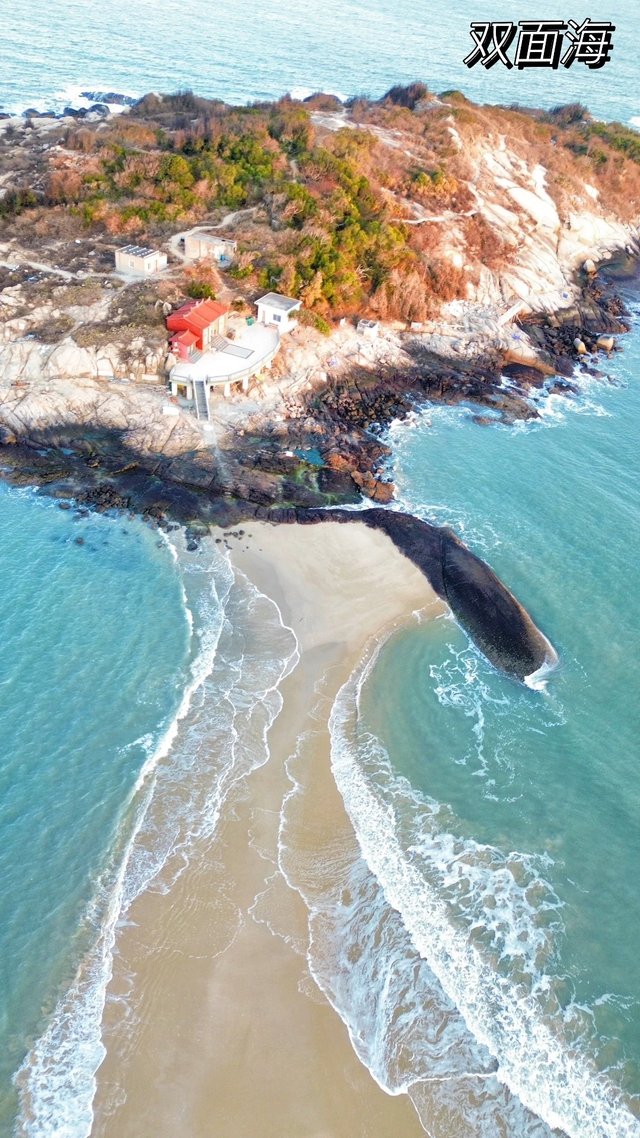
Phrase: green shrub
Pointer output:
(15, 201)
(322, 325)
(240, 272)
(201, 290)
(619, 137)
(408, 96)
(310, 319)
(269, 275)
(568, 114)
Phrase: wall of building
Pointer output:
(198, 247)
(141, 266)
(281, 320)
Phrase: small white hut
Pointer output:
(139, 261)
(273, 308)
(209, 246)
(368, 328)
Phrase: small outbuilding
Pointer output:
(200, 246)
(273, 308)
(368, 328)
(139, 260)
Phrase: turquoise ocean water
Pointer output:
(495, 907)
(252, 51)
(510, 815)
(95, 653)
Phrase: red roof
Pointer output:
(185, 337)
(196, 315)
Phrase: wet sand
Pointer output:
(213, 1026)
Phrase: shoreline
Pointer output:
(172, 490)
(216, 967)
(277, 536)
(98, 468)
(316, 442)
(101, 439)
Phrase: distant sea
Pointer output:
(252, 51)
(499, 825)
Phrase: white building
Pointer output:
(209, 246)
(368, 328)
(273, 308)
(229, 363)
(138, 260)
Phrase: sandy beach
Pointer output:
(213, 1025)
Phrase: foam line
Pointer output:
(57, 1080)
(535, 1060)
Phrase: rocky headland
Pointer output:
(483, 241)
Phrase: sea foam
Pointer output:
(241, 652)
(485, 923)
(402, 1024)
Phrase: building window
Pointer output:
(277, 318)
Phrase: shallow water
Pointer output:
(212, 732)
(517, 808)
(95, 649)
(511, 816)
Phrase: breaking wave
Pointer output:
(241, 650)
(480, 927)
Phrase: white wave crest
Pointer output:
(242, 651)
(486, 924)
(402, 1025)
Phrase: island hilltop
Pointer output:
(417, 246)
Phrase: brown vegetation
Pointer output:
(329, 209)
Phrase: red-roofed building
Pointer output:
(195, 326)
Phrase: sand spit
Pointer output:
(213, 1025)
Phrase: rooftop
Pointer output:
(185, 337)
(214, 238)
(138, 250)
(277, 300)
(198, 313)
(237, 358)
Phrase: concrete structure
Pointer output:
(368, 328)
(273, 308)
(140, 261)
(196, 326)
(209, 246)
(230, 362)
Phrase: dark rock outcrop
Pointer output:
(112, 97)
(497, 623)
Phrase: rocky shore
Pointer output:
(481, 603)
(328, 447)
(84, 409)
(327, 452)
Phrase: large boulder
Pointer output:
(67, 360)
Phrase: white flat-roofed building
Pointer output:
(140, 261)
(273, 308)
(209, 246)
(368, 328)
